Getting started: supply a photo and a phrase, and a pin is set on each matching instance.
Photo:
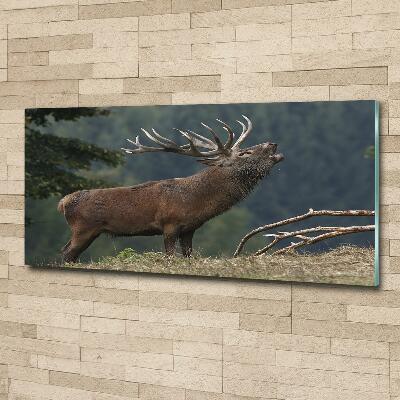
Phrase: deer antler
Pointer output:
(196, 142)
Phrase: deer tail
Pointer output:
(63, 203)
(60, 207)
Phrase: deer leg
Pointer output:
(66, 246)
(185, 240)
(78, 243)
(170, 238)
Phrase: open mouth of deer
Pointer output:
(276, 157)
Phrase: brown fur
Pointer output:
(174, 208)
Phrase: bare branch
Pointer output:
(311, 240)
(306, 240)
(309, 214)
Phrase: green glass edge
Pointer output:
(376, 269)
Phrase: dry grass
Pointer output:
(345, 265)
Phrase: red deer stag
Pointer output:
(174, 208)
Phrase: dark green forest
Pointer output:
(328, 165)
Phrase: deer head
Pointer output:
(213, 152)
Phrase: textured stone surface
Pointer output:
(96, 336)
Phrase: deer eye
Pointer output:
(244, 153)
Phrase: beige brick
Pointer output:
(333, 379)
(304, 44)
(43, 347)
(374, 7)
(50, 304)
(126, 99)
(348, 76)
(269, 46)
(395, 247)
(394, 126)
(273, 291)
(14, 357)
(28, 374)
(235, 337)
(3, 53)
(22, 389)
(58, 364)
(346, 330)
(277, 94)
(180, 84)
(328, 9)
(197, 365)
(344, 25)
(119, 311)
(99, 86)
(12, 102)
(99, 55)
(237, 82)
(341, 59)
(21, 4)
(146, 360)
(196, 349)
(57, 100)
(190, 317)
(265, 323)
(42, 14)
(46, 43)
(12, 130)
(126, 343)
(196, 98)
(359, 348)
(43, 73)
(262, 31)
(76, 381)
(165, 53)
(39, 87)
(394, 108)
(103, 26)
(331, 362)
(103, 371)
(163, 300)
(200, 35)
(241, 17)
(394, 73)
(245, 387)
(12, 116)
(76, 291)
(255, 372)
(319, 311)
(195, 5)
(164, 22)
(115, 70)
(164, 331)
(264, 64)
(295, 392)
(187, 68)
(151, 392)
(127, 9)
(359, 92)
(64, 335)
(31, 58)
(39, 317)
(249, 355)
(102, 325)
(115, 39)
(174, 379)
(374, 315)
(373, 40)
(234, 304)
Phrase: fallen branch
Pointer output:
(333, 231)
(309, 214)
